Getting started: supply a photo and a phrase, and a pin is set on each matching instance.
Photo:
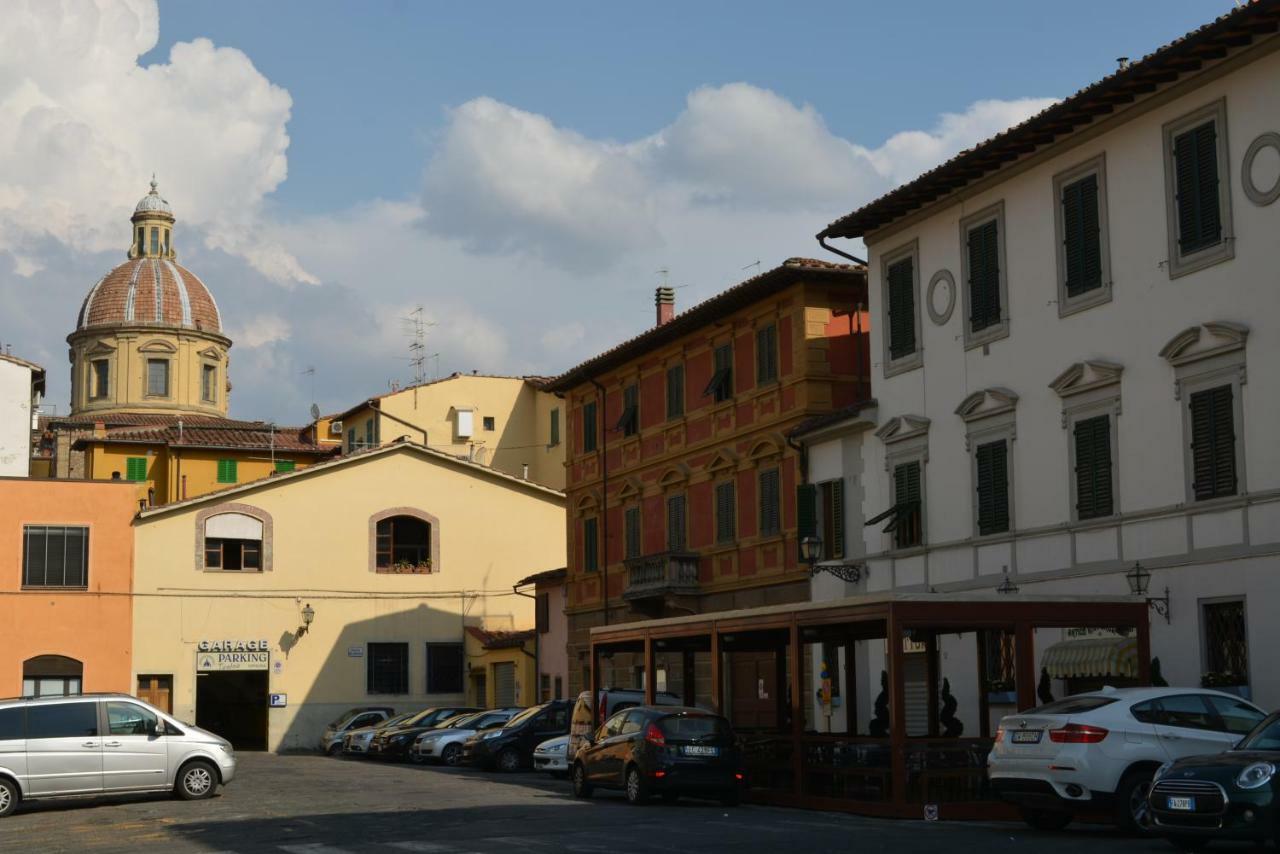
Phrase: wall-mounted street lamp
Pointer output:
(308, 614)
(1139, 579)
(811, 553)
(1007, 586)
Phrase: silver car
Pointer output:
(104, 743)
(553, 756)
(361, 716)
(356, 741)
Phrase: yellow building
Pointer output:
(370, 607)
(506, 423)
(502, 668)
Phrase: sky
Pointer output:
(522, 171)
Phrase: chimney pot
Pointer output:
(665, 299)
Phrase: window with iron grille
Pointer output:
(726, 512)
(984, 275)
(1226, 643)
(1094, 497)
(589, 427)
(387, 668)
(55, 556)
(677, 522)
(227, 470)
(135, 468)
(1195, 158)
(902, 307)
(721, 384)
(1082, 235)
(590, 544)
(766, 354)
(629, 421)
(444, 668)
(992, 466)
(770, 503)
(831, 497)
(631, 532)
(675, 391)
(1213, 443)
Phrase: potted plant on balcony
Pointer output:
(409, 567)
(1228, 682)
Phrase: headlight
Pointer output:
(423, 739)
(1161, 771)
(559, 748)
(225, 747)
(489, 735)
(1257, 774)
(403, 737)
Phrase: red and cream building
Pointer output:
(681, 481)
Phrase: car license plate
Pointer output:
(696, 750)
(1027, 736)
(1184, 804)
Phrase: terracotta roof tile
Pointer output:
(151, 291)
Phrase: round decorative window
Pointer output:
(1264, 169)
(941, 297)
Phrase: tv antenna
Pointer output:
(417, 330)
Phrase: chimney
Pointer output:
(1122, 62)
(524, 470)
(99, 430)
(665, 299)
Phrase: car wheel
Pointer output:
(1132, 814)
(9, 797)
(1046, 819)
(509, 760)
(637, 789)
(1188, 843)
(581, 788)
(452, 755)
(334, 749)
(197, 781)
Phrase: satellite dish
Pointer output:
(315, 412)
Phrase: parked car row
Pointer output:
(1191, 765)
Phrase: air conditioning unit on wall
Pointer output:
(335, 428)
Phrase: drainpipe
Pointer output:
(604, 497)
(537, 641)
(822, 241)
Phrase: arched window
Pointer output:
(403, 544)
(52, 676)
(233, 541)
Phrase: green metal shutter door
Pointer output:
(504, 684)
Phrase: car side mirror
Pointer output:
(153, 728)
(589, 739)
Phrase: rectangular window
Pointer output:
(1093, 467)
(806, 517)
(555, 428)
(232, 554)
(1226, 643)
(370, 433)
(209, 384)
(676, 523)
(559, 681)
(351, 439)
(675, 391)
(590, 544)
(770, 504)
(1081, 236)
(135, 468)
(726, 512)
(544, 687)
(766, 354)
(490, 424)
(984, 275)
(100, 379)
(908, 527)
(832, 533)
(542, 613)
(589, 427)
(226, 471)
(283, 466)
(631, 538)
(387, 668)
(55, 556)
(721, 385)
(993, 487)
(1213, 443)
(155, 241)
(1195, 158)
(444, 668)
(158, 377)
(902, 307)
(629, 421)
(64, 720)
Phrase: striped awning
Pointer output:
(1092, 657)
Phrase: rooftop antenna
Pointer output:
(315, 412)
(755, 263)
(417, 330)
(310, 371)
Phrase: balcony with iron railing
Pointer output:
(672, 573)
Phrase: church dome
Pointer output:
(150, 291)
(153, 202)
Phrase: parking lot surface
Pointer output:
(316, 805)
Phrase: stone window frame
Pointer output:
(91, 378)
(205, 367)
(1225, 250)
(914, 359)
(1089, 389)
(906, 440)
(415, 513)
(1068, 305)
(994, 423)
(235, 507)
(1224, 364)
(158, 356)
(1000, 330)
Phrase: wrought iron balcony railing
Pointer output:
(661, 574)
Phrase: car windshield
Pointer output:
(396, 721)
(462, 721)
(344, 717)
(1265, 736)
(694, 727)
(524, 716)
(420, 719)
(1072, 705)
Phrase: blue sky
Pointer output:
(521, 170)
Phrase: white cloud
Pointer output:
(261, 330)
(563, 338)
(83, 126)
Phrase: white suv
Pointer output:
(1097, 752)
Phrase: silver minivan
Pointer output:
(102, 744)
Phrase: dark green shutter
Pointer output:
(902, 309)
(835, 544)
(726, 512)
(590, 545)
(283, 466)
(1093, 467)
(676, 523)
(675, 391)
(806, 513)
(769, 518)
(906, 491)
(1195, 155)
(984, 276)
(993, 488)
(1213, 443)
(226, 471)
(135, 468)
(589, 426)
(1082, 235)
(632, 532)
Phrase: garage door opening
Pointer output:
(233, 704)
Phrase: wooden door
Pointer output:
(754, 689)
(157, 690)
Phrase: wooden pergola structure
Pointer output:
(889, 773)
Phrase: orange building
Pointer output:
(66, 569)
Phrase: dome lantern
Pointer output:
(152, 226)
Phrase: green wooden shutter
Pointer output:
(1093, 467)
(632, 532)
(906, 490)
(1195, 154)
(993, 488)
(283, 466)
(984, 275)
(902, 309)
(1082, 236)
(676, 523)
(769, 495)
(135, 468)
(589, 426)
(675, 391)
(226, 471)
(835, 546)
(806, 513)
(1213, 443)
(590, 545)
(726, 512)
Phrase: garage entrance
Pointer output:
(233, 704)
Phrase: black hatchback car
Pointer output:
(511, 747)
(662, 750)
(394, 742)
